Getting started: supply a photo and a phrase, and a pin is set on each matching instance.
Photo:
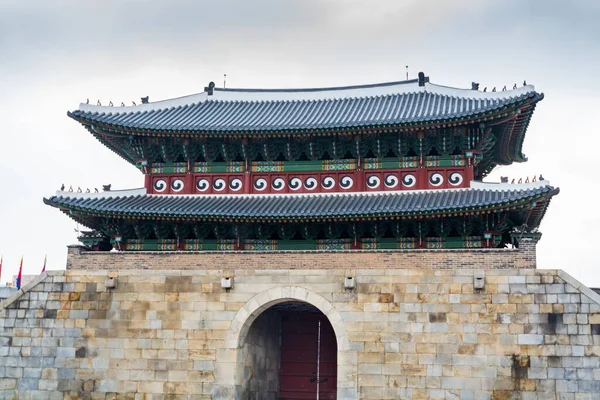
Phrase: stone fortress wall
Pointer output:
(405, 331)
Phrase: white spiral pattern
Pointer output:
(278, 184)
(346, 182)
(295, 183)
(235, 184)
(391, 181)
(328, 183)
(219, 184)
(409, 180)
(436, 179)
(373, 182)
(455, 178)
(202, 185)
(260, 184)
(177, 185)
(160, 185)
(310, 183)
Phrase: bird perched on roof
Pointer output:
(87, 190)
(515, 86)
(513, 181)
(110, 103)
(122, 104)
(95, 190)
(504, 88)
(87, 101)
(79, 189)
(70, 188)
(98, 103)
(134, 103)
(524, 83)
(485, 89)
(494, 89)
(541, 177)
(62, 188)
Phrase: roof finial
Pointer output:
(407, 72)
(423, 79)
(145, 100)
(210, 88)
(224, 81)
(474, 86)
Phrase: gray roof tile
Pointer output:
(232, 110)
(300, 206)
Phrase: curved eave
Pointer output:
(535, 203)
(457, 120)
(506, 154)
(512, 151)
(539, 211)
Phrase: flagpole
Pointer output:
(1, 259)
(20, 276)
(44, 268)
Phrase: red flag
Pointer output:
(44, 268)
(20, 274)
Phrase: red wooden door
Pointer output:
(308, 367)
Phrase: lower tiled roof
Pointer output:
(305, 207)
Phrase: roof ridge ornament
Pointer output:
(423, 79)
(210, 88)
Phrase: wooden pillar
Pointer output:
(190, 185)
(148, 183)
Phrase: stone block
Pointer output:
(28, 384)
(8, 384)
(531, 339)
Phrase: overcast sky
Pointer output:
(55, 54)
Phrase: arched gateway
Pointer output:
(305, 323)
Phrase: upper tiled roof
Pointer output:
(254, 110)
(308, 206)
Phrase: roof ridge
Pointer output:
(316, 89)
